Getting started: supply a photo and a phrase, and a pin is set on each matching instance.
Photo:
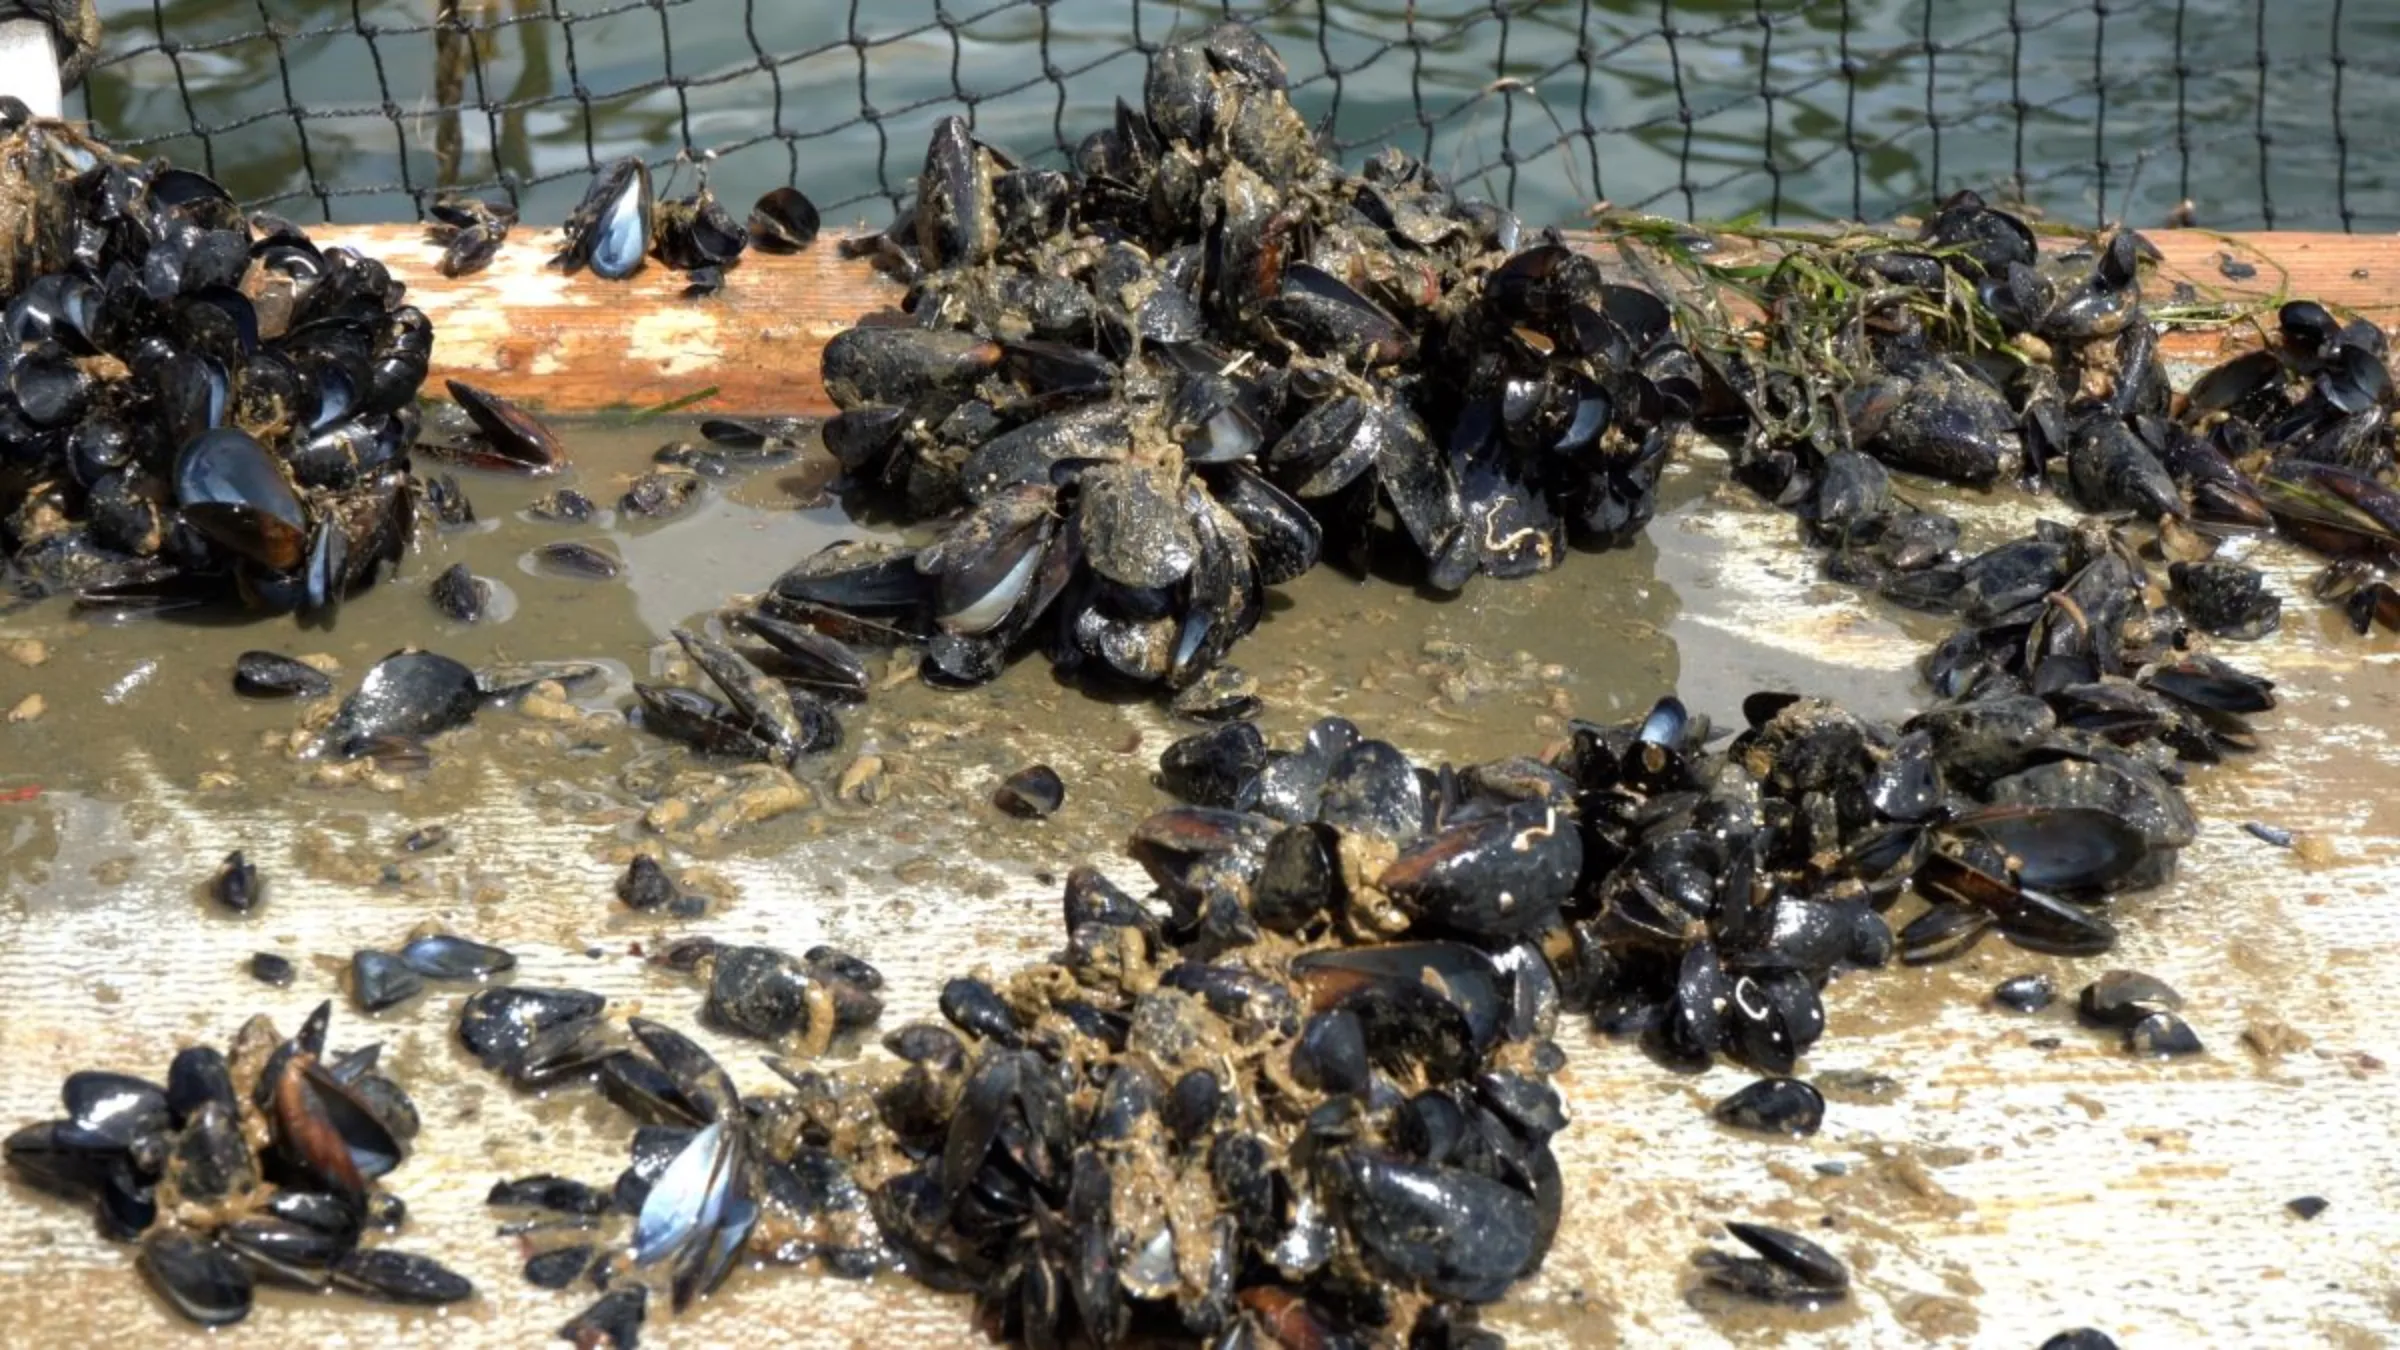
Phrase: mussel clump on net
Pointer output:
(1969, 355)
(1136, 394)
(200, 404)
(262, 1163)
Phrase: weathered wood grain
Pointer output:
(576, 344)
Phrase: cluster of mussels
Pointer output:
(1300, 1094)
(1257, 1109)
(262, 1163)
(620, 222)
(1970, 356)
(716, 1177)
(1137, 394)
(199, 403)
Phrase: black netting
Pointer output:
(1787, 109)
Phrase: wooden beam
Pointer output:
(582, 345)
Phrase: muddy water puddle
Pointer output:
(143, 768)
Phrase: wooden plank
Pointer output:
(582, 345)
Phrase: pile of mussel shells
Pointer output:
(1968, 355)
(1216, 1114)
(1301, 1091)
(716, 1177)
(1132, 396)
(263, 1163)
(200, 404)
(1255, 1107)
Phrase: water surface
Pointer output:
(1716, 108)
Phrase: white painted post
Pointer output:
(29, 66)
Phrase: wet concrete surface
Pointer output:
(2009, 1178)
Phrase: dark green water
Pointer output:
(1587, 96)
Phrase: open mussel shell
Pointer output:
(328, 1132)
(517, 439)
(706, 724)
(1789, 1269)
(984, 568)
(2031, 918)
(232, 489)
(611, 230)
(807, 656)
(783, 221)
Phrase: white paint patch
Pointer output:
(680, 342)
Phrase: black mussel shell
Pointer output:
(198, 1278)
(231, 489)
(809, 657)
(646, 885)
(2162, 1035)
(516, 438)
(380, 980)
(560, 1266)
(443, 957)
(614, 1320)
(407, 694)
(783, 221)
(610, 231)
(460, 594)
(565, 504)
(660, 494)
(236, 884)
(271, 675)
(573, 558)
(563, 1195)
(1031, 792)
(2067, 848)
(1774, 1106)
(2123, 998)
(1808, 1270)
(1215, 768)
(697, 234)
(2081, 1338)
(531, 1034)
(1451, 1232)
(1494, 875)
(400, 1277)
(2025, 993)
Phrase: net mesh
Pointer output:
(1790, 110)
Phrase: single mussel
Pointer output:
(783, 221)
(512, 438)
(409, 694)
(231, 489)
(610, 231)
